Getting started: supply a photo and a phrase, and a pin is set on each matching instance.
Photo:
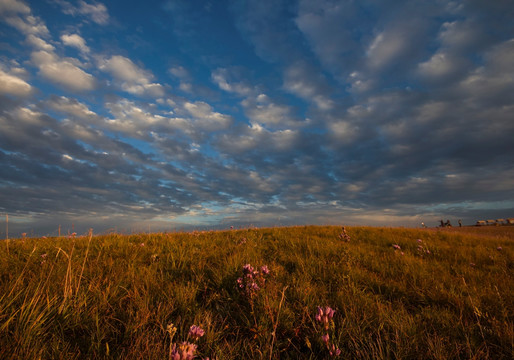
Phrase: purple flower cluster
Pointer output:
(325, 315)
(344, 235)
(252, 280)
(397, 247)
(422, 249)
(196, 332)
(185, 350)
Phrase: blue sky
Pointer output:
(206, 114)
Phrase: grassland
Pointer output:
(397, 294)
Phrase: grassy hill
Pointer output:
(397, 294)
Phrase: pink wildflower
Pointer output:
(396, 247)
(264, 270)
(196, 332)
(248, 269)
(325, 338)
(325, 314)
(334, 351)
(184, 351)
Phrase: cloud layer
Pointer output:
(263, 112)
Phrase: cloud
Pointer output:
(132, 78)
(39, 43)
(247, 139)
(223, 78)
(461, 35)
(13, 85)
(71, 107)
(75, 41)
(261, 110)
(95, 11)
(180, 72)
(13, 6)
(263, 24)
(29, 25)
(124, 69)
(328, 28)
(205, 118)
(131, 118)
(490, 84)
(307, 83)
(386, 47)
(63, 72)
(442, 66)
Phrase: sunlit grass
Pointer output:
(114, 296)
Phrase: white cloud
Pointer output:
(385, 48)
(29, 116)
(72, 107)
(308, 84)
(186, 87)
(440, 65)
(205, 117)
(133, 79)
(256, 137)
(221, 78)
(154, 90)
(328, 28)
(359, 83)
(460, 35)
(500, 58)
(124, 69)
(97, 12)
(39, 43)
(131, 118)
(180, 72)
(75, 41)
(13, 85)
(13, 6)
(261, 110)
(28, 25)
(62, 71)
(343, 132)
(495, 79)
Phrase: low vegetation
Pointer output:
(276, 293)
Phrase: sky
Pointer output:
(172, 114)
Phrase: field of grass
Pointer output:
(397, 294)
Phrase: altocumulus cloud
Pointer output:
(264, 112)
